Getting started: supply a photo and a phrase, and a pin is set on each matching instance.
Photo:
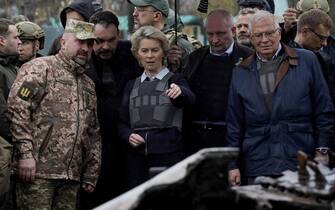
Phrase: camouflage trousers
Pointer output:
(47, 194)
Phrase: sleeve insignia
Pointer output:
(25, 92)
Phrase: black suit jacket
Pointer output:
(196, 58)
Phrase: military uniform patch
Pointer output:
(25, 91)
(88, 98)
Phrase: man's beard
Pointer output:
(81, 61)
(105, 54)
(244, 39)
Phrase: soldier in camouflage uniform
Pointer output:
(32, 37)
(155, 13)
(52, 106)
(170, 28)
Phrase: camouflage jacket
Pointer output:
(7, 76)
(52, 107)
(182, 41)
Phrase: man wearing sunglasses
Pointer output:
(278, 104)
(291, 16)
(312, 34)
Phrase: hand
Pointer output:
(174, 56)
(321, 158)
(290, 18)
(174, 91)
(87, 187)
(234, 177)
(135, 140)
(26, 169)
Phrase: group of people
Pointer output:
(102, 115)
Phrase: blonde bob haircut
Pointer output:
(148, 32)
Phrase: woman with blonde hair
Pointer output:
(152, 108)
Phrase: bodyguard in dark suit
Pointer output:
(313, 34)
(111, 67)
(209, 72)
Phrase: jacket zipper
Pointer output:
(146, 143)
(76, 138)
(46, 140)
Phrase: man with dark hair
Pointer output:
(9, 42)
(111, 67)
(289, 27)
(209, 72)
(312, 34)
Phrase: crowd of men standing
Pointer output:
(94, 118)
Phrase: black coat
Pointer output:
(196, 112)
(123, 67)
(196, 58)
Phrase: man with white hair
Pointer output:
(282, 106)
(52, 108)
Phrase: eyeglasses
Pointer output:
(321, 37)
(267, 34)
(142, 9)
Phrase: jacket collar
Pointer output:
(70, 65)
(8, 60)
(290, 59)
(289, 54)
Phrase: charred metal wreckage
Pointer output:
(200, 182)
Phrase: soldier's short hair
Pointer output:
(313, 18)
(4, 26)
(148, 32)
(105, 18)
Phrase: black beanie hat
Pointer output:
(85, 8)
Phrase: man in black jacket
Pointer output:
(312, 34)
(209, 72)
(111, 67)
(289, 27)
(9, 42)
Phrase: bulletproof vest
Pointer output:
(150, 108)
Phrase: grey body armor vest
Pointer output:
(150, 108)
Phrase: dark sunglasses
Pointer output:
(321, 37)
